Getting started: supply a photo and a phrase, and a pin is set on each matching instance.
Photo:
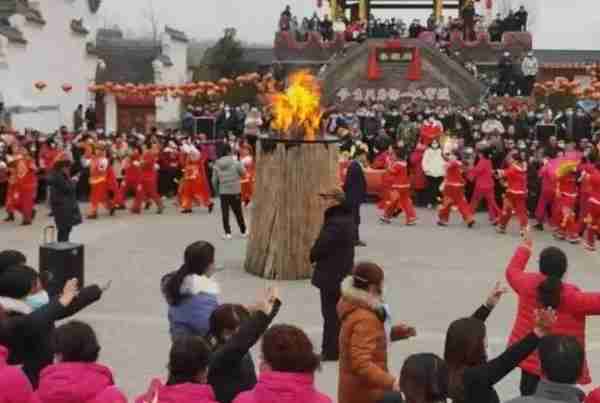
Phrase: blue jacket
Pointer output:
(191, 316)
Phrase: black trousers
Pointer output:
(331, 323)
(529, 383)
(235, 203)
(356, 215)
(433, 190)
(63, 233)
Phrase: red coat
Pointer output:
(14, 385)
(148, 161)
(381, 161)
(594, 182)
(516, 178)
(575, 306)
(48, 157)
(454, 175)
(133, 170)
(482, 174)
(399, 174)
(567, 185)
(416, 167)
(79, 382)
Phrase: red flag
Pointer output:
(414, 68)
(373, 70)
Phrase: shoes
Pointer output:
(160, 210)
(9, 218)
(539, 226)
(500, 229)
(412, 223)
(112, 211)
(33, 214)
(360, 244)
(227, 237)
(558, 236)
(147, 206)
(470, 224)
(26, 222)
(574, 241)
(384, 220)
(244, 234)
(186, 211)
(589, 247)
(136, 211)
(211, 207)
(121, 207)
(92, 217)
(442, 224)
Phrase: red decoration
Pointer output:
(67, 88)
(414, 72)
(373, 70)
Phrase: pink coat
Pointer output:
(575, 306)
(78, 382)
(283, 387)
(14, 385)
(181, 393)
(482, 174)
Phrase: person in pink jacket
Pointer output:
(76, 377)
(547, 289)
(547, 196)
(287, 370)
(14, 385)
(483, 176)
(188, 371)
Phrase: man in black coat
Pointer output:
(333, 259)
(355, 188)
(63, 200)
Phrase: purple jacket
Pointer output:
(78, 382)
(14, 385)
(283, 387)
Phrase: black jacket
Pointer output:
(30, 333)
(231, 367)
(333, 251)
(355, 185)
(479, 381)
(63, 200)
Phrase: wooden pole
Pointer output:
(288, 212)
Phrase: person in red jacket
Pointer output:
(14, 385)
(483, 176)
(147, 188)
(76, 376)
(100, 182)
(547, 289)
(584, 171)
(515, 197)
(11, 191)
(399, 193)
(418, 178)
(25, 186)
(547, 198)
(188, 371)
(194, 184)
(566, 195)
(132, 176)
(454, 193)
(592, 218)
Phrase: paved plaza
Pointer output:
(433, 275)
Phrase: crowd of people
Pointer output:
(210, 361)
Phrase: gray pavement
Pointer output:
(433, 275)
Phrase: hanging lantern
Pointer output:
(67, 88)
(40, 85)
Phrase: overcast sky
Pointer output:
(559, 24)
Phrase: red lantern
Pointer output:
(67, 88)
(40, 85)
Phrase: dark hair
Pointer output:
(553, 264)
(465, 347)
(400, 153)
(366, 274)
(196, 259)
(287, 348)
(561, 358)
(226, 317)
(18, 281)
(424, 377)
(62, 164)
(11, 257)
(226, 149)
(189, 356)
(76, 341)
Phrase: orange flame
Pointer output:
(297, 110)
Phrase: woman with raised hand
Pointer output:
(543, 289)
(471, 376)
(235, 330)
(191, 293)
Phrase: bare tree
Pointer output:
(150, 15)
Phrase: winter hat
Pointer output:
(365, 274)
(593, 397)
(10, 258)
(17, 281)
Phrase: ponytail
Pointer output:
(553, 264)
(173, 285)
(549, 292)
(196, 260)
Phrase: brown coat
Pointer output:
(363, 371)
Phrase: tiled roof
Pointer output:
(166, 60)
(127, 60)
(551, 57)
(176, 35)
(78, 27)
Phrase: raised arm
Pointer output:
(515, 271)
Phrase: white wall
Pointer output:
(54, 55)
(169, 112)
(110, 114)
